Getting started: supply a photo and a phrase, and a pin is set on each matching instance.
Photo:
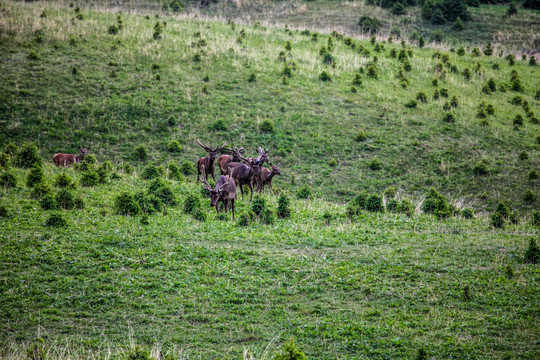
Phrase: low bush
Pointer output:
(374, 203)
(392, 205)
(467, 213)
(406, 207)
(535, 218)
(89, 178)
(199, 215)
(65, 199)
(48, 202)
(63, 180)
(35, 176)
(481, 168)
(325, 76)
(173, 146)
(174, 172)
(532, 255)
(258, 205)
(151, 172)
(436, 204)
(56, 220)
(162, 190)
(187, 167)
(5, 160)
(283, 208)
(27, 156)
(529, 196)
(8, 179)
(126, 204)
(149, 204)
(375, 164)
(140, 153)
(360, 136)
(267, 126)
(244, 220)
(290, 352)
(3, 212)
(304, 192)
(267, 216)
(192, 203)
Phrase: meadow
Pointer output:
(343, 115)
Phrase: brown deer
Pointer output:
(224, 160)
(208, 161)
(266, 177)
(225, 191)
(243, 174)
(260, 160)
(66, 160)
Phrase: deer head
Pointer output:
(262, 154)
(210, 151)
(275, 169)
(218, 192)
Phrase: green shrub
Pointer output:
(243, 220)
(328, 59)
(79, 203)
(325, 76)
(532, 255)
(219, 125)
(8, 179)
(3, 212)
(533, 174)
(267, 126)
(199, 215)
(374, 203)
(113, 30)
(467, 213)
(523, 155)
(449, 117)
(283, 209)
(436, 204)
(127, 169)
(41, 189)
(125, 204)
(535, 218)
(27, 156)
(304, 192)
(360, 136)
(252, 78)
(192, 203)
(529, 196)
(65, 199)
(138, 353)
(488, 50)
(162, 190)
(268, 217)
(371, 72)
(516, 100)
(290, 352)
(421, 355)
(63, 180)
(258, 205)
(174, 171)
(375, 164)
(357, 81)
(35, 176)
(89, 178)
(176, 6)
(88, 163)
(369, 24)
(48, 202)
(187, 167)
(406, 207)
(421, 96)
(151, 172)
(481, 168)
(518, 120)
(174, 146)
(460, 51)
(56, 220)
(390, 192)
(392, 205)
(148, 203)
(5, 160)
(103, 174)
(140, 153)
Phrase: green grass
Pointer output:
(115, 102)
(379, 285)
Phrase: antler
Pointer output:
(242, 150)
(206, 185)
(219, 148)
(204, 146)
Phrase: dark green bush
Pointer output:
(267, 126)
(304, 192)
(219, 125)
(290, 352)
(27, 156)
(267, 217)
(151, 172)
(374, 203)
(481, 168)
(199, 215)
(113, 30)
(252, 78)
(533, 174)
(162, 190)
(126, 204)
(535, 218)
(8, 179)
(127, 169)
(174, 171)
(283, 209)
(148, 203)
(325, 76)
(518, 120)
(516, 100)
(244, 220)
(375, 164)
(63, 180)
(187, 167)
(523, 155)
(174, 146)
(65, 199)
(449, 117)
(5, 160)
(421, 96)
(35, 176)
(436, 204)
(89, 178)
(357, 80)
(390, 192)
(360, 136)
(328, 59)
(392, 205)
(48, 202)
(406, 207)
(258, 205)
(529, 196)
(192, 203)
(369, 25)
(41, 189)
(79, 203)
(371, 72)
(140, 153)
(467, 213)
(3, 212)
(532, 255)
(56, 220)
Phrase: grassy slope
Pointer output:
(315, 121)
(380, 286)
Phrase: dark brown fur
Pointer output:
(225, 192)
(266, 178)
(66, 160)
(208, 161)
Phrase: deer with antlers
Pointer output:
(243, 173)
(224, 160)
(266, 177)
(224, 191)
(66, 160)
(208, 161)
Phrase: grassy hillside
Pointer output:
(373, 286)
(69, 82)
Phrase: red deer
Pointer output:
(224, 160)
(66, 160)
(208, 161)
(266, 177)
(224, 191)
(261, 159)
(243, 174)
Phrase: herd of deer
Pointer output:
(236, 171)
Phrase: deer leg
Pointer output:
(242, 191)
(232, 203)
(270, 188)
(251, 188)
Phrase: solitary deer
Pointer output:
(224, 191)
(66, 160)
(243, 174)
(266, 177)
(224, 160)
(208, 161)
